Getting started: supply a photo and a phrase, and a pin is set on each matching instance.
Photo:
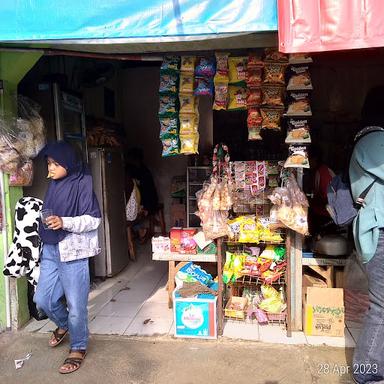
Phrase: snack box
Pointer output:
(182, 240)
(195, 317)
(236, 307)
(161, 244)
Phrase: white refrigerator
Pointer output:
(107, 167)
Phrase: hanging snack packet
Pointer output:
(169, 82)
(169, 126)
(221, 96)
(170, 63)
(237, 98)
(298, 158)
(254, 134)
(300, 58)
(189, 144)
(299, 104)
(186, 82)
(254, 119)
(273, 96)
(237, 69)
(188, 103)
(222, 70)
(254, 97)
(168, 105)
(254, 76)
(171, 145)
(255, 61)
(248, 230)
(273, 55)
(274, 73)
(298, 132)
(188, 63)
(299, 78)
(188, 124)
(203, 86)
(271, 118)
(205, 67)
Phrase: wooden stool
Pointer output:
(131, 245)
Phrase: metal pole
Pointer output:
(57, 108)
(5, 248)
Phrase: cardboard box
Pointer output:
(311, 281)
(195, 317)
(324, 312)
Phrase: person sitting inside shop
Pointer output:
(137, 171)
(320, 177)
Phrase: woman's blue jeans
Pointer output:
(70, 279)
(368, 360)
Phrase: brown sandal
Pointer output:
(57, 337)
(73, 361)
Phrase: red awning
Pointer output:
(326, 25)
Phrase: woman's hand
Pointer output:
(54, 222)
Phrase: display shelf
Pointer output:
(196, 176)
(173, 256)
(322, 261)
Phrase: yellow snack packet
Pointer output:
(237, 97)
(188, 63)
(189, 144)
(188, 103)
(237, 69)
(186, 82)
(188, 124)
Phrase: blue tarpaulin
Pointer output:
(107, 19)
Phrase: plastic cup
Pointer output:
(44, 214)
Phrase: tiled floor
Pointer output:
(135, 302)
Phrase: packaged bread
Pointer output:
(299, 78)
(298, 131)
(298, 157)
(299, 104)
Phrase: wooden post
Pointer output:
(221, 286)
(289, 283)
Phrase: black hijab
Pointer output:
(70, 196)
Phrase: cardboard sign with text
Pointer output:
(324, 312)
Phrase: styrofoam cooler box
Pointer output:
(195, 316)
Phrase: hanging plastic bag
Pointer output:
(23, 176)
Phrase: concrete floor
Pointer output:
(134, 303)
(162, 360)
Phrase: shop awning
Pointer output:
(325, 25)
(42, 20)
